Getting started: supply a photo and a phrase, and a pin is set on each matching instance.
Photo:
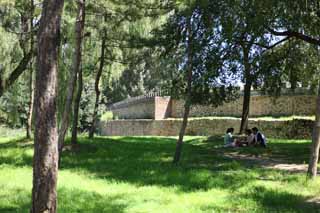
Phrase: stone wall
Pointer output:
(259, 106)
(144, 109)
(163, 107)
(294, 129)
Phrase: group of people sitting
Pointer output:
(253, 138)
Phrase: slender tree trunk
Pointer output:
(246, 107)
(24, 18)
(97, 81)
(79, 29)
(187, 104)
(183, 128)
(30, 110)
(31, 82)
(247, 91)
(76, 109)
(45, 160)
(314, 157)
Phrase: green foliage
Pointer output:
(8, 53)
(300, 16)
(297, 61)
(147, 44)
(14, 104)
(135, 174)
(294, 62)
(107, 116)
(201, 49)
(14, 42)
(86, 106)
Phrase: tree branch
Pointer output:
(297, 35)
(4, 85)
(273, 45)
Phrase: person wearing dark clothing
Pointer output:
(259, 138)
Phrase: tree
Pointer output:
(79, 34)
(45, 161)
(288, 64)
(314, 156)
(121, 41)
(300, 20)
(97, 83)
(194, 54)
(9, 14)
(31, 81)
(31, 102)
(187, 105)
(248, 42)
(76, 109)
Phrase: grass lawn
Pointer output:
(135, 174)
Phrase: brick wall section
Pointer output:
(162, 107)
(295, 129)
(259, 106)
(151, 108)
(143, 110)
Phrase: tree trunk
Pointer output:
(24, 18)
(245, 107)
(247, 91)
(79, 28)
(31, 82)
(314, 157)
(97, 81)
(45, 160)
(76, 110)
(30, 110)
(183, 128)
(187, 104)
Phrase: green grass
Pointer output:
(135, 174)
(10, 132)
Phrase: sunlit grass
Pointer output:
(6, 132)
(135, 174)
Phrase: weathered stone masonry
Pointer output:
(148, 116)
(294, 129)
(145, 108)
(165, 107)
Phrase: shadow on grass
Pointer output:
(14, 143)
(147, 161)
(16, 152)
(69, 200)
(288, 151)
(84, 201)
(273, 200)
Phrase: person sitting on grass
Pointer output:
(247, 141)
(228, 138)
(259, 138)
(250, 137)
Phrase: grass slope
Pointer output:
(135, 174)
